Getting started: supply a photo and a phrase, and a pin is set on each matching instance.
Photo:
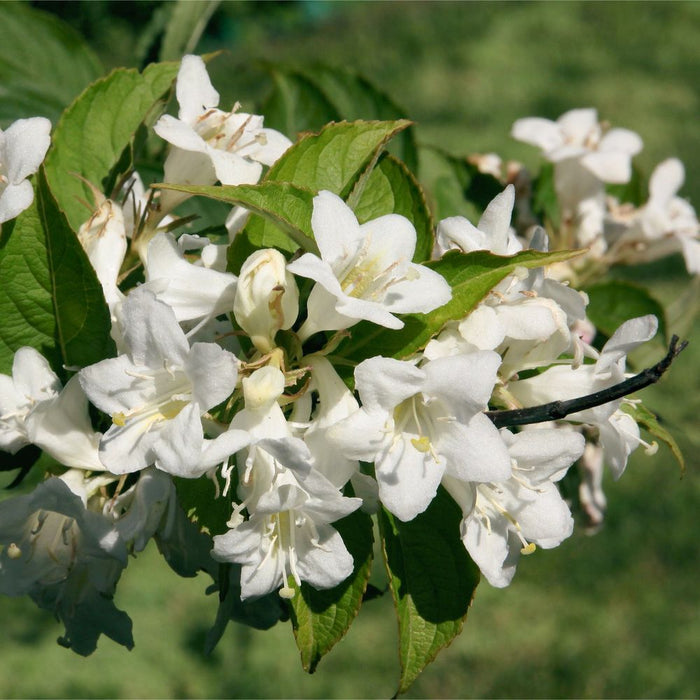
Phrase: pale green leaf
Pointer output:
(186, 24)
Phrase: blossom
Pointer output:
(618, 433)
(35, 409)
(493, 232)
(267, 298)
(23, 146)
(193, 292)
(503, 519)
(210, 144)
(365, 270)
(578, 136)
(418, 423)
(157, 392)
(289, 534)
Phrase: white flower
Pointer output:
(210, 144)
(577, 135)
(365, 270)
(157, 393)
(35, 409)
(290, 534)
(193, 292)
(619, 434)
(418, 423)
(493, 232)
(666, 223)
(23, 146)
(267, 298)
(505, 519)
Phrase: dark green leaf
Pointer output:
(614, 302)
(322, 618)
(50, 297)
(44, 64)
(432, 580)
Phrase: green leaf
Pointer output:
(455, 186)
(545, 203)
(286, 205)
(392, 189)
(614, 302)
(432, 580)
(335, 159)
(50, 297)
(322, 618)
(198, 499)
(297, 105)
(187, 22)
(650, 422)
(472, 276)
(96, 129)
(44, 64)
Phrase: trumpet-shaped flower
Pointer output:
(210, 144)
(23, 146)
(290, 534)
(157, 392)
(505, 519)
(365, 270)
(418, 423)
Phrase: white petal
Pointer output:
(232, 169)
(213, 372)
(15, 199)
(179, 134)
(609, 166)
(335, 226)
(326, 563)
(407, 479)
(26, 143)
(539, 132)
(33, 376)
(195, 93)
(667, 178)
(384, 382)
(151, 331)
(622, 140)
(495, 221)
(423, 291)
(180, 443)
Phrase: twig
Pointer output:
(560, 409)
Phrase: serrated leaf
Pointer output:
(471, 275)
(649, 421)
(40, 82)
(320, 619)
(335, 159)
(355, 97)
(94, 131)
(50, 297)
(432, 580)
(614, 302)
(286, 205)
(392, 189)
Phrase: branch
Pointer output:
(560, 409)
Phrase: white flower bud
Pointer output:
(267, 298)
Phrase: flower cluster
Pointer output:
(245, 379)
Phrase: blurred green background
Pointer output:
(615, 615)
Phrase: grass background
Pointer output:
(615, 615)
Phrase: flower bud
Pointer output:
(267, 298)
